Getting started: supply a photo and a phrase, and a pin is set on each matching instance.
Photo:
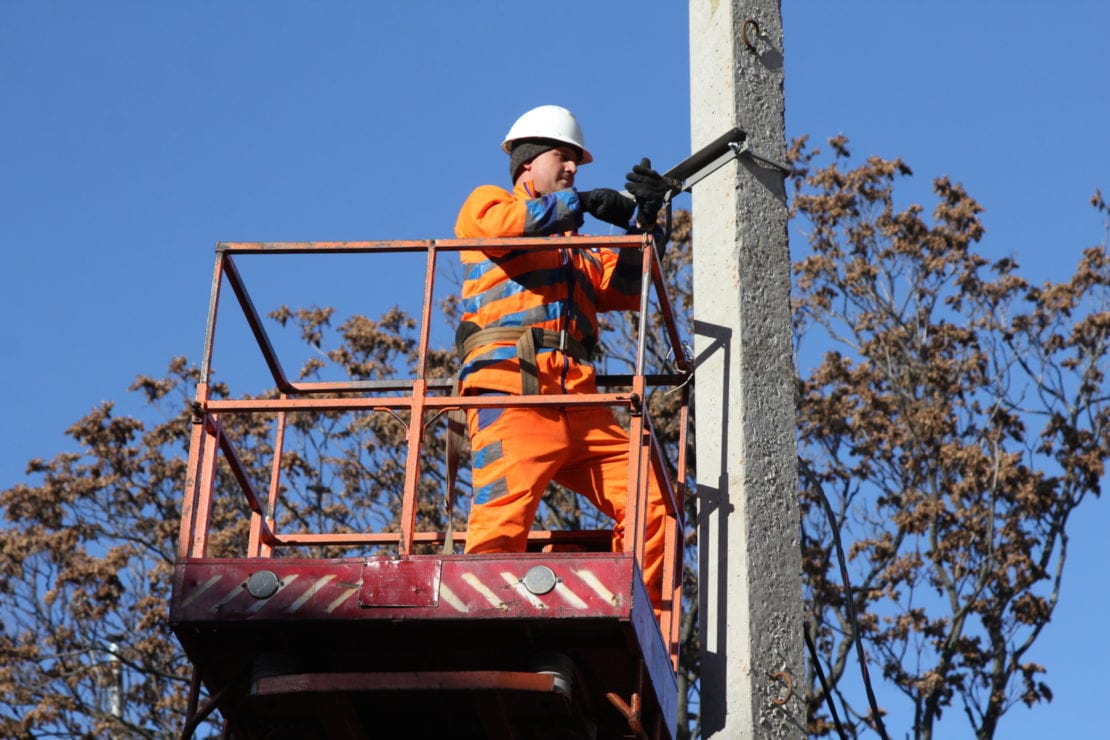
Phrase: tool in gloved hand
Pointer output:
(608, 206)
(650, 189)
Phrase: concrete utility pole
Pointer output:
(750, 561)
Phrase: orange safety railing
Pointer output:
(422, 396)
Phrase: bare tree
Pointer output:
(957, 419)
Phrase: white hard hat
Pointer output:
(548, 122)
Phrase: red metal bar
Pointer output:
(412, 466)
(674, 635)
(255, 323)
(446, 384)
(426, 317)
(196, 715)
(658, 466)
(667, 313)
(646, 254)
(238, 470)
(192, 487)
(541, 243)
(444, 245)
(402, 402)
(594, 538)
(364, 386)
(406, 681)
(263, 534)
(275, 478)
(210, 330)
(198, 545)
(635, 503)
(354, 247)
(683, 424)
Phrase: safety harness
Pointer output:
(528, 340)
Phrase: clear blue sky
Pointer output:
(137, 134)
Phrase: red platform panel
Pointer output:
(468, 587)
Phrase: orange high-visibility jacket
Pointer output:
(558, 290)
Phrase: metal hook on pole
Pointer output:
(749, 22)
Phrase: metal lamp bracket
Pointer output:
(713, 156)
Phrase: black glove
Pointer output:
(608, 206)
(649, 189)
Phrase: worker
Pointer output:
(529, 325)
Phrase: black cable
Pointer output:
(849, 600)
(824, 685)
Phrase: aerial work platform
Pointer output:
(415, 638)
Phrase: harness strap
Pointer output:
(528, 340)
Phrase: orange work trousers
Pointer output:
(516, 452)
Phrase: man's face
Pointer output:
(553, 170)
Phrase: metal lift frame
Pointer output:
(216, 599)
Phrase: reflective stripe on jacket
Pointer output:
(558, 290)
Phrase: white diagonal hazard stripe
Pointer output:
(309, 593)
(452, 598)
(569, 596)
(340, 599)
(596, 585)
(518, 586)
(197, 594)
(235, 591)
(485, 591)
